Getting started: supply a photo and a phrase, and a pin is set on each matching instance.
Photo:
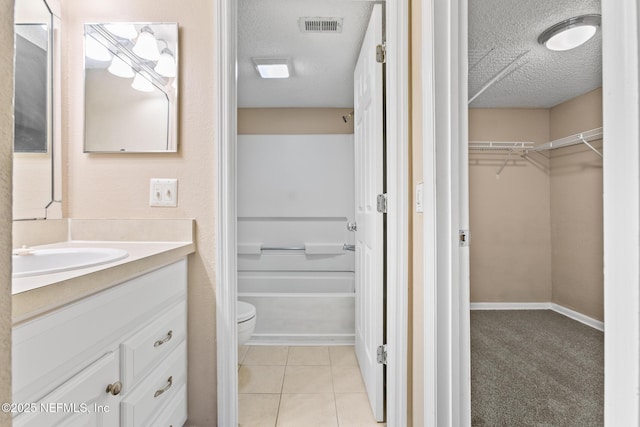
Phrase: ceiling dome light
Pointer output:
(146, 46)
(124, 30)
(570, 33)
(142, 83)
(121, 68)
(166, 65)
(96, 50)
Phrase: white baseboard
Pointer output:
(589, 321)
(596, 324)
(510, 306)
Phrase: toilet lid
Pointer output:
(245, 311)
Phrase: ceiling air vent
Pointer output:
(320, 25)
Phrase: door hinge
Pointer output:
(382, 354)
(464, 238)
(381, 53)
(382, 203)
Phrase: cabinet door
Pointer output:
(80, 402)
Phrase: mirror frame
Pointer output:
(52, 207)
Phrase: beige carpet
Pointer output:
(535, 368)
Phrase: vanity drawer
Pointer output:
(140, 353)
(156, 390)
(81, 401)
(73, 336)
(174, 415)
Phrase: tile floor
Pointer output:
(301, 387)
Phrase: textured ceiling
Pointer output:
(322, 63)
(502, 38)
(502, 30)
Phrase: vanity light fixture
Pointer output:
(272, 68)
(122, 30)
(570, 33)
(166, 65)
(146, 46)
(96, 50)
(142, 83)
(120, 67)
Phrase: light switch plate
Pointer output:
(163, 192)
(419, 197)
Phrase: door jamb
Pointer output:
(447, 390)
(397, 23)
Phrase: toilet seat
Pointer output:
(245, 311)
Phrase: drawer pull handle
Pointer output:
(163, 340)
(114, 388)
(167, 387)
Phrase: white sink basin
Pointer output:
(44, 261)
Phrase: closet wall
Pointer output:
(510, 217)
(536, 232)
(576, 208)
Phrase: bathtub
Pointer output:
(300, 308)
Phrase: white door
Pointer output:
(369, 180)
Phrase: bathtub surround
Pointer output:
(295, 198)
(116, 186)
(6, 160)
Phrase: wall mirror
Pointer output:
(33, 160)
(130, 87)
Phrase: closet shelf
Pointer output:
(578, 138)
(499, 145)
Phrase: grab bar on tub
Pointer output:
(347, 247)
(282, 248)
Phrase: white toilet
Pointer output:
(246, 321)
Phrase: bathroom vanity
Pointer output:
(111, 350)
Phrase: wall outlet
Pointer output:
(163, 192)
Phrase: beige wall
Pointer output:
(6, 157)
(510, 216)
(576, 209)
(117, 186)
(294, 121)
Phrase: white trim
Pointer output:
(397, 19)
(621, 211)
(582, 318)
(572, 314)
(226, 270)
(447, 396)
(510, 306)
(397, 72)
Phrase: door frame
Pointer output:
(447, 397)
(397, 81)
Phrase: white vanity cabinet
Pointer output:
(116, 358)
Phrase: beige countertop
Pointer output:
(35, 295)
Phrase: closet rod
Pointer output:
(578, 138)
(499, 145)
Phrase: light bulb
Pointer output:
(142, 83)
(120, 68)
(96, 50)
(123, 30)
(166, 65)
(146, 46)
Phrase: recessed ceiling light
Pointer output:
(570, 33)
(272, 68)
